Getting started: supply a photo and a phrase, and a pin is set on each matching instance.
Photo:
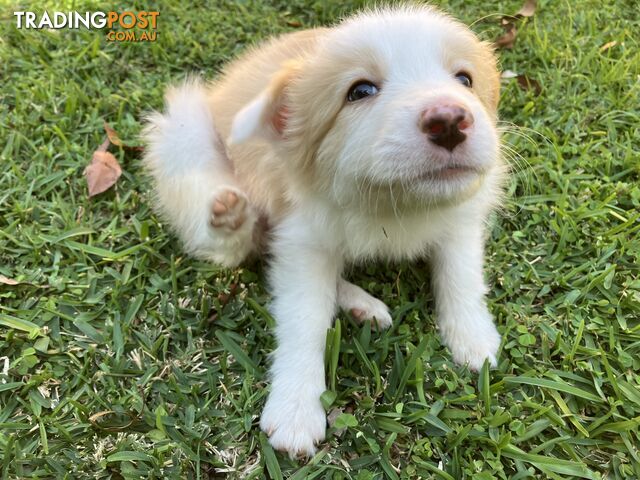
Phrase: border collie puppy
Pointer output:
(372, 139)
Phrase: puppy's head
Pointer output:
(394, 105)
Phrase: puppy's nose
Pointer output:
(445, 124)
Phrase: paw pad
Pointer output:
(228, 209)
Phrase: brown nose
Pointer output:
(445, 124)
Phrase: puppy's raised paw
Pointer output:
(229, 209)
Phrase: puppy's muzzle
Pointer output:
(446, 124)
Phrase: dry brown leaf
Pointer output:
(225, 297)
(112, 135)
(8, 281)
(103, 171)
(334, 413)
(527, 83)
(508, 38)
(528, 9)
(114, 138)
(608, 45)
(104, 145)
(96, 417)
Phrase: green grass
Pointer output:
(129, 359)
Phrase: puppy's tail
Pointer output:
(189, 164)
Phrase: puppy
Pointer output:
(372, 139)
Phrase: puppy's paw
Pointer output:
(474, 355)
(294, 424)
(472, 346)
(362, 305)
(229, 209)
(371, 308)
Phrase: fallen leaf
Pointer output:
(528, 9)
(225, 297)
(112, 135)
(527, 83)
(104, 145)
(334, 413)
(509, 74)
(114, 138)
(524, 82)
(8, 281)
(103, 171)
(96, 418)
(508, 38)
(608, 45)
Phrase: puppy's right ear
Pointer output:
(265, 116)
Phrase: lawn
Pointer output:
(120, 357)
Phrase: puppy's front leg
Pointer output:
(465, 323)
(304, 282)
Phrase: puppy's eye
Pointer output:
(465, 79)
(360, 90)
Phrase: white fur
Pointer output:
(249, 123)
(465, 323)
(191, 170)
(371, 195)
(351, 297)
(293, 416)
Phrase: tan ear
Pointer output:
(266, 115)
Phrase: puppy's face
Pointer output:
(393, 106)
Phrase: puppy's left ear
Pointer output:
(265, 117)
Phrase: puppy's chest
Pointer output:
(391, 238)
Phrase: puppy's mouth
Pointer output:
(450, 172)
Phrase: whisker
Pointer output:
(510, 151)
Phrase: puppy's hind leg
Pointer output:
(361, 305)
(195, 187)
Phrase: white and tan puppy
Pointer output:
(372, 139)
